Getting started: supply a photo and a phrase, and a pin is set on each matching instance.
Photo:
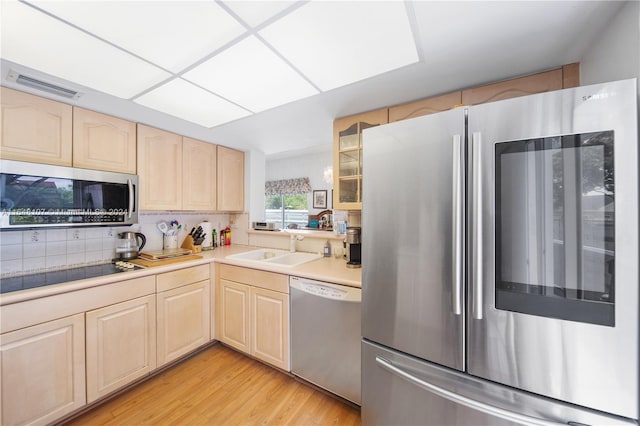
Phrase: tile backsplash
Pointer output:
(33, 251)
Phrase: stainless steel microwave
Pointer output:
(41, 195)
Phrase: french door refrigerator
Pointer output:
(500, 263)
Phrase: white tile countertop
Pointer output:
(329, 269)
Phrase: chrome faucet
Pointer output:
(292, 242)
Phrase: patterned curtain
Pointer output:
(287, 186)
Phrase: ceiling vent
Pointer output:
(42, 85)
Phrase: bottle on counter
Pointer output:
(327, 249)
(223, 236)
(214, 238)
(227, 240)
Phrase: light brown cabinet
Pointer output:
(199, 185)
(536, 83)
(347, 145)
(159, 169)
(179, 173)
(35, 129)
(347, 157)
(253, 313)
(183, 312)
(230, 179)
(425, 106)
(121, 345)
(43, 371)
(233, 314)
(103, 142)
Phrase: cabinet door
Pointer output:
(230, 179)
(121, 345)
(103, 142)
(536, 83)
(199, 175)
(35, 129)
(43, 371)
(347, 157)
(233, 315)
(425, 106)
(159, 169)
(270, 327)
(183, 320)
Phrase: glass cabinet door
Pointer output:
(348, 157)
(555, 222)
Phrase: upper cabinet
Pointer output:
(159, 169)
(347, 142)
(180, 173)
(536, 83)
(230, 179)
(39, 130)
(425, 106)
(199, 175)
(347, 157)
(103, 142)
(35, 129)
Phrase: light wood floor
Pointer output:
(221, 387)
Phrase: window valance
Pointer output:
(295, 186)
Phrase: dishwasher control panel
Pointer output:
(326, 290)
(321, 290)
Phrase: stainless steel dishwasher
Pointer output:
(325, 335)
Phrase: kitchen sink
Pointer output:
(275, 257)
(294, 259)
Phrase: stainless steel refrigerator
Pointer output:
(500, 263)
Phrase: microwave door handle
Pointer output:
(478, 258)
(456, 228)
(463, 400)
(131, 198)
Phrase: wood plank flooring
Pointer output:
(220, 386)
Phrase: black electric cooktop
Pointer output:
(42, 279)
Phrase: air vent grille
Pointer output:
(43, 85)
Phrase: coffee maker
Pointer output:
(353, 247)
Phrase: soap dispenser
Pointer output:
(327, 249)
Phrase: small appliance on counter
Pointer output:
(264, 226)
(207, 234)
(128, 246)
(353, 247)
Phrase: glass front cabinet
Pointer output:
(347, 157)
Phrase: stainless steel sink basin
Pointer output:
(275, 257)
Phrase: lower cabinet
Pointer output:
(183, 312)
(121, 345)
(253, 313)
(233, 314)
(43, 371)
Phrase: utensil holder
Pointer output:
(169, 242)
(188, 244)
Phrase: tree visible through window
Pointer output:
(287, 209)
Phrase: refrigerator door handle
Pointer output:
(456, 228)
(463, 400)
(477, 302)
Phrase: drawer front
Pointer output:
(181, 277)
(36, 311)
(255, 277)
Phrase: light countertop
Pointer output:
(329, 269)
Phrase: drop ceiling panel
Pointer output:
(33, 39)
(338, 43)
(251, 75)
(255, 13)
(184, 100)
(171, 34)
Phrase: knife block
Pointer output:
(188, 244)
